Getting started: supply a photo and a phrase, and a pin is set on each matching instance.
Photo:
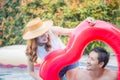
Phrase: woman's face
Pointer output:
(43, 38)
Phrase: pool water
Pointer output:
(15, 76)
(20, 73)
(14, 73)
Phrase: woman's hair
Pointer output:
(32, 48)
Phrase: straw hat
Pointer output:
(36, 27)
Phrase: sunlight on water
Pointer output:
(15, 76)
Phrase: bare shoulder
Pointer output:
(111, 73)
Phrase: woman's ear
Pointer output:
(101, 64)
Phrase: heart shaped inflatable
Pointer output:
(83, 34)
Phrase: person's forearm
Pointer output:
(31, 70)
(62, 31)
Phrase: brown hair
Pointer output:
(32, 48)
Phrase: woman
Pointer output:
(42, 38)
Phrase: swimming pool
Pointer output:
(14, 73)
(20, 73)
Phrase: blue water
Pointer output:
(17, 73)
(14, 73)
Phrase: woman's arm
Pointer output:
(67, 31)
(31, 70)
(61, 31)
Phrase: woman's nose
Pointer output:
(46, 34)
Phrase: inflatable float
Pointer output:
(81, 36)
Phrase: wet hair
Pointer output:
(103, 55)
(31, 50)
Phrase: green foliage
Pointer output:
(102, 11)
(66, 13)
(11, 22)
(92, 45)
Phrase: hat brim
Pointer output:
(45, 27)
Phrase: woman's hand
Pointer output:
(35, 76)
(91, 21)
